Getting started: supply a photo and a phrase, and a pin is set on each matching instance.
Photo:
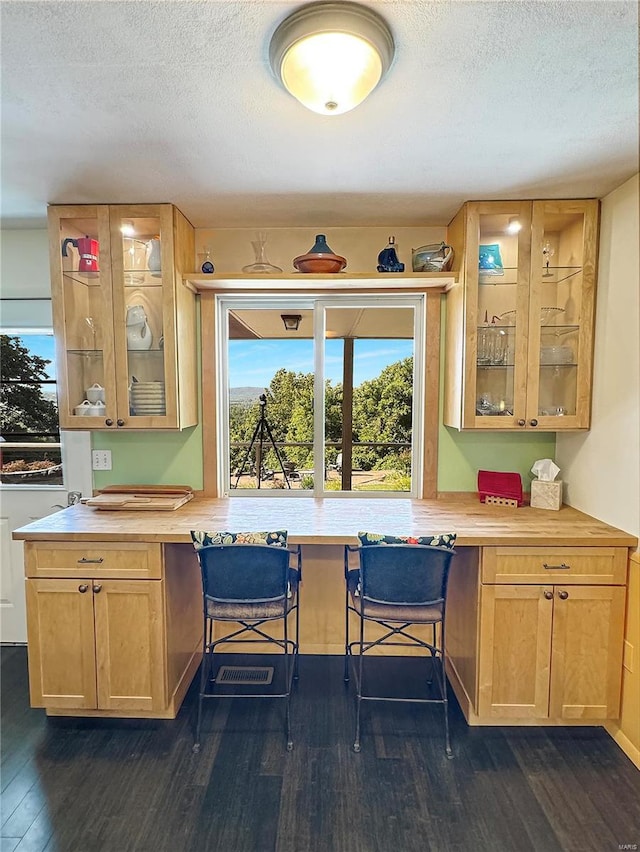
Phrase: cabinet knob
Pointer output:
(120, 423)
(97, 588)
(533, 422)
(108, 422)
(563, 595)
(548, 595)
(521, 422)
(83, 587)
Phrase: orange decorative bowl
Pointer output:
(319, 262)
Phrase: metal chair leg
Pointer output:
(346, 633)
(205, 667)
(356, 742)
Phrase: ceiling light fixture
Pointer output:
(291, 321)
(514, 225)
(331, 56)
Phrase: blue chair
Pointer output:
(398, 583)
(250, 584)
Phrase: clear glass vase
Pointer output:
(261, 265)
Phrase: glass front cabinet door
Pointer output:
(519, 345)
(124, 322)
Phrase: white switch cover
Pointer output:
(101, 459)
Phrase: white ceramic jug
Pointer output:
(139, 334)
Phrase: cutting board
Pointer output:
(150, 498)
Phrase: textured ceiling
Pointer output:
(147, 101)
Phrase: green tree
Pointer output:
(382, 412)
(23, 408)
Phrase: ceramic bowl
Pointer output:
(319, 262)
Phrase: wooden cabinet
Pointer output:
(550, 651)
(96, 644)
(124, 322)
(520, 320)
(535, 634)
(114, 629)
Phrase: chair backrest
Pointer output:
(245, 573)
(404, 574)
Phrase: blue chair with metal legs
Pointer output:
(248, 581)
(398, 583)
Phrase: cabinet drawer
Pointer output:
(133, 560)
(566, 565)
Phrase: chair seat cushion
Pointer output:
(249, 611)
(415, 613)
(202, 538)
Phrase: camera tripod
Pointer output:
(260, 433)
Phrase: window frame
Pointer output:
(214, 403)
(32, 316)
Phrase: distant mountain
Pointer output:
(244, 396)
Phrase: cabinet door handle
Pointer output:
(97, 588)
(108, 422)
(548, 595)
(563, 595)
(561, 567)
(120, 423)
(521, 422)
(83, 587)
(85, 561)
(533, 422)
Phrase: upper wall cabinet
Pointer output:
(520, 320)
(125, 325)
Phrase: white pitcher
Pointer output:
(139, 334)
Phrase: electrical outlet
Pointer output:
(101, 459)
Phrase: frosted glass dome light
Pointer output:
(331, 56)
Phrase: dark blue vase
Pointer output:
(388, 259)
(320, 246)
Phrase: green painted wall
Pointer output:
(175, 458)
(158, 458)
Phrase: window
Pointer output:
(326, 403)
(30, 445)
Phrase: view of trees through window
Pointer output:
(382, 410)
(30, 446)
(368, 366)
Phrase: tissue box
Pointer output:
(546, 495)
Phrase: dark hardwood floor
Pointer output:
(120, 785)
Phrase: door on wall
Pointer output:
(40, 467)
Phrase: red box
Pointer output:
(493, 483)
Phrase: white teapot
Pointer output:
(139, 334)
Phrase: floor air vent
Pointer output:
(245, 675)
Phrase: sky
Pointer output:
(253, 363)
(42, 345)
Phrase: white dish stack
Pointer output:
(147, 399)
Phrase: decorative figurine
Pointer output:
(388, 259)
(207, 265)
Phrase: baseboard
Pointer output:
(623, 741)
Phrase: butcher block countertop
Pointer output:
(335, 521)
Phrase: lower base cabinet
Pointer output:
(104, 644)
(551, 652)
(535, 635)
(96, 644)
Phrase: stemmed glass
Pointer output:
(90, 321)
(547, 254)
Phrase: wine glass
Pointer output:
(547, 253)
(90, 321)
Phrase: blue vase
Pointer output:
(388, 259)
(320, 246)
